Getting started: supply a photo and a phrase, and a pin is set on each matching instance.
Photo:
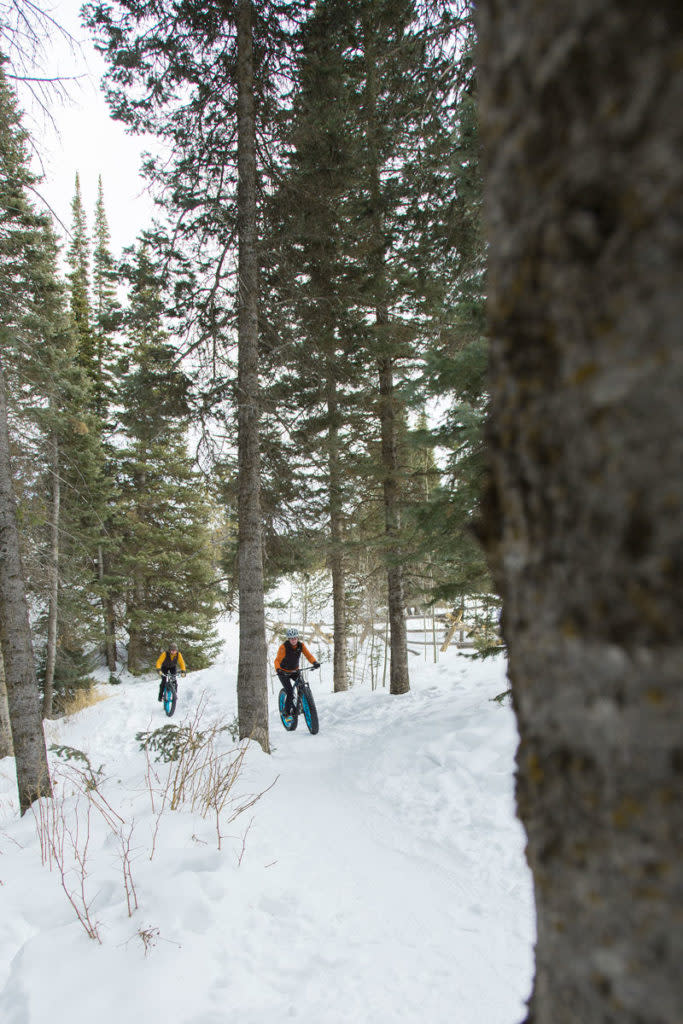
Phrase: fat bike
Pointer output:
(170, 693)
(303, 704)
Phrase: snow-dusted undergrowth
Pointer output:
(380, 876)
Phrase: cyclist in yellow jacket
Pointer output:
(168, 663)
(287, 663)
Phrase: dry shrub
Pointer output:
(200, 775)
(63, 823)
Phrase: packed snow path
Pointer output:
(380, 879)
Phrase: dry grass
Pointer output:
(82, 698)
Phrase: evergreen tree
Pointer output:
(450, 252)
(19, 230)
(28, 740)
(166, 557)
(105, 308)
(95, 322)
(59, 465)
(65, 457)
(78, 258)
(106, 319)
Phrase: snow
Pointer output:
(379, 877)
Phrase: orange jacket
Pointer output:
(290, 656)
(178, 660)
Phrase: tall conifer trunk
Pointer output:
(252, 679)
(136, 646)
(137, 655)
(398, 637)
(387, 406)
(581, 116)
(33, 778)
(53, 585)
(336, 559)
(108, 612)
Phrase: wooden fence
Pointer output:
(430, 632)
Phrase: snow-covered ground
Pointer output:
(380, 878)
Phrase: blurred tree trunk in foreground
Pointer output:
(582, 132)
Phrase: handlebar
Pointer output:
(291, 671)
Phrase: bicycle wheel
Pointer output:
(289, 721)
(170, 698)
(309, 709)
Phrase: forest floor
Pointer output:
(380, 877)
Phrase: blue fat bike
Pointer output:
(170, 693)
(303, 704)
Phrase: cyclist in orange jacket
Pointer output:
(168, 663)
(287, 664)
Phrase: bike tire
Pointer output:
(290, 721)
(309, 709)
(170, 699)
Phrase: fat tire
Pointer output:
(282, 700)
(309, 709)
(169, 704)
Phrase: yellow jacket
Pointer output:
(172, 661)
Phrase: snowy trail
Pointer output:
(423, 899)
(380, 878)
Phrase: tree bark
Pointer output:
(108, 614)
(252, 677)
(138, 655)
(33, 778)
(53, 585)
(336, 559)
(6, 748)
(399, 681)
(582, 131)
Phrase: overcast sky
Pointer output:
(87, 140)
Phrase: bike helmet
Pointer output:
(292, 634)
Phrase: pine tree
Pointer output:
(59, 464)
(95, 320)
(450, 253)
(28, 741)
(78, 258)
(105, 308)
(166, 557)
(64, 454)
(19, 228)
(106, 319)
